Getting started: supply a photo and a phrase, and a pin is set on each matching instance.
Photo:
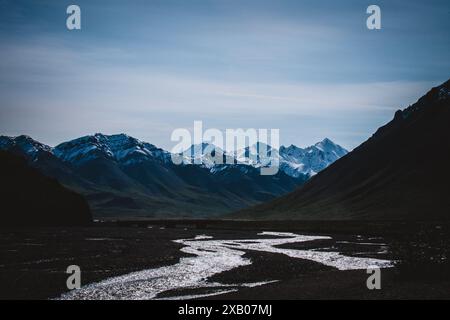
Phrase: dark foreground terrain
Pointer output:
(34, 260)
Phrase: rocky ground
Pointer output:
(33, 261)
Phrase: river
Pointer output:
(211, 257)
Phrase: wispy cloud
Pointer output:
(76, 93)
(308, 68)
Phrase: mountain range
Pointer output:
(293, 161)
(402, 172)
(121, 176)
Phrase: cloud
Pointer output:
(47, 86)
(308, 68)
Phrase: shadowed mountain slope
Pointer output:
(28, 198)
(401, 172)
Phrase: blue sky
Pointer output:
(310, 68)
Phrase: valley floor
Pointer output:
(34, 260)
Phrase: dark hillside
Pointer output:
(29, 198)
(401, 172)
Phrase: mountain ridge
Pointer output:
(123, 176)
(393, 175)
(112, 146)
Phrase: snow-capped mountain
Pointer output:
(216, 159)
(121, 175)
(119, 147)
(24, 144)
(205, 154)
(293, 161)
(126, 150)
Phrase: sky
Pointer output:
(145, 68)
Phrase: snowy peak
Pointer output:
(328, 146)
(119, 147)
(259, 148)
(292, 151)
(206, 154)
(25, 144)
(325, 144)
(203, 148)
(295, 161)
(83, 149)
